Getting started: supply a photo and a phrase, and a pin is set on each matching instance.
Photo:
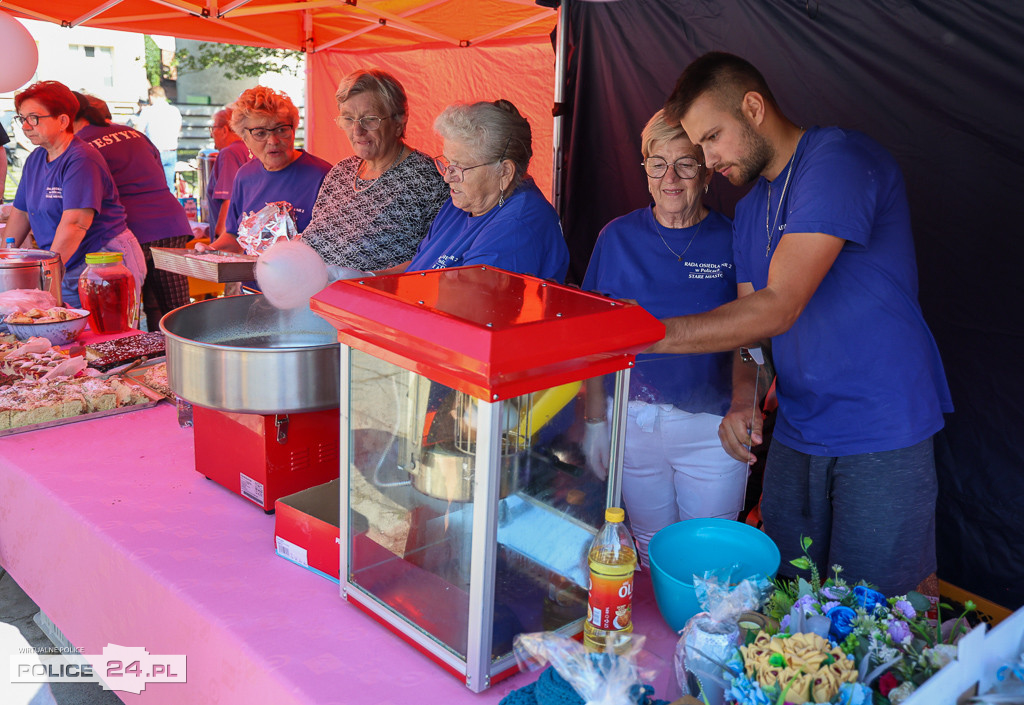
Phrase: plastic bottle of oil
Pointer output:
(612, 560)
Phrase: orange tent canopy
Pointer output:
(309, 25)
(442, 50)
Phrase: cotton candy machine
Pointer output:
(466, 506)
(264, 388)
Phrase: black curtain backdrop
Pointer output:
(940, 83)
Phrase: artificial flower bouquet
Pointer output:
(826, 641)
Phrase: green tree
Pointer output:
(154, 61)
(237, 61)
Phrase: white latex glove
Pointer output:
(337, 272)
(596, 447)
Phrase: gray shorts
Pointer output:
(872, 514)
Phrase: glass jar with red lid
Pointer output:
(107, 290)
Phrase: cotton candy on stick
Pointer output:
(290, 272)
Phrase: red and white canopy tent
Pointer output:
(442, 50)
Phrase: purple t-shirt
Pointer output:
(859, 371)
(635, 257)
(78, 178)
(153, 213)
(222, 178)
(298, 184)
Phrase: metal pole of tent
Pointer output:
(561, 54)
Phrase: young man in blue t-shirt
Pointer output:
(826, 271)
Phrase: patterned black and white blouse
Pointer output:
(382, 223)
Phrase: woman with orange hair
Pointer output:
(266, 120)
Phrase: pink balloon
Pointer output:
(20, 54)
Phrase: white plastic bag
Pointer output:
(610, 678)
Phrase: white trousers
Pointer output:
(675, 468)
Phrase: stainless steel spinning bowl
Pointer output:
(239, 353)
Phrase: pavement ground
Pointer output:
(17, 609)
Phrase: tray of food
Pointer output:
(212, 265)
(42, 386)
(30, 406)
(152, 375)
(110, 354)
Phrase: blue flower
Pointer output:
(835, 592)
(905, 608)
(853, 694)
(868, 598)
(842, 623)
(806, 604)
(898, 631)
(744, 691)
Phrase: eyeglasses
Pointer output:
(656, 167)
(370, 123)
(32, 119)
(454, 173)
(218, 127)
(262, 134)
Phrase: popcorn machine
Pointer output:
(466, 504)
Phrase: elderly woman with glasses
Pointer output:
(266, 120)
(67, 195)
(374, 207)
(674, 257)
(496, 215)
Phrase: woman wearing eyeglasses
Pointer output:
(66, 195)
(673, 257)
(496, 215)
(266, 120)
(375, 206)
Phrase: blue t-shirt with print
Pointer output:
(523, 236)
(78, 178)
(298, 184)
(633, 259)
(153, 213)
(859, 371)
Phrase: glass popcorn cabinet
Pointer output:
(466, 504)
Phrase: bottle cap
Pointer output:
(614, 514)
(103, 257)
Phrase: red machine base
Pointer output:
(263, 457)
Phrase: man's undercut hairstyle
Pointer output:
(726, 77)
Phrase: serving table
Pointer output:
(107, 526)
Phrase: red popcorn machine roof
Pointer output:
(485, 331)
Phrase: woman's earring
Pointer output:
(501, 199)
(706, 187)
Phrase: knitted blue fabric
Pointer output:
(552, 689)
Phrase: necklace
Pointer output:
(782, 198)
(356, 179)
(768, 207)
(679, 255)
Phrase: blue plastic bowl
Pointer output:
(688, 548)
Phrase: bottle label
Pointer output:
(610, 605)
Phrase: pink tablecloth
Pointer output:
(107, 526)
